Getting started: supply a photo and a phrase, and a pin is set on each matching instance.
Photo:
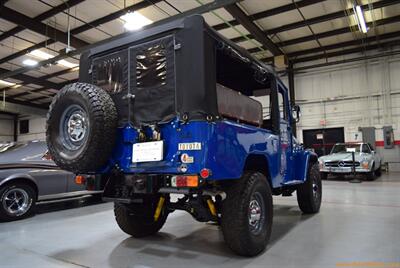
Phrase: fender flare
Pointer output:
(21, 176)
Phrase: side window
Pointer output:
(365, 149)
(281, 102)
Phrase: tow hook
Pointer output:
(160, 205)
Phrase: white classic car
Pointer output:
(339, 161)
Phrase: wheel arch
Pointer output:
(259, 163)
(21, 178)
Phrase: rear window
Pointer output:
(109, 73)
(151, 67)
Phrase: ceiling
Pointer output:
(304, 31)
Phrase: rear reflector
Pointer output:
(80, 179)
(185, 181)
(205, 173)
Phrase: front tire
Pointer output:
(17, 201)
(247, 215)
(309, 194)
(371, 176)
(378, 172)
(137, 220)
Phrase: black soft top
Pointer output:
(201, 59)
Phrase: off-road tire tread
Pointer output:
(305, 193)
(134, 225)
(234, 213)
(103, 130)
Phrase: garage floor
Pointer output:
(357, 223)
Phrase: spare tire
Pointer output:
(81, 128)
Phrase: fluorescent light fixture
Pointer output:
(30, 62)
(135, 21)
(45, 56)
(361, 20)
(6, 83)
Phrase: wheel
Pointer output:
(371, 175)
(247, 213)
(17, 201)
(309, 193)
(324, 175)
(378, 172)
(81, 128)
(138, 220)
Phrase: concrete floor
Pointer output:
(357, 223)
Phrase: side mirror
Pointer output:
(296, 113)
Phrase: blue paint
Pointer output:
(225, 148)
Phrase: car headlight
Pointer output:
(321, 164)
(365, 164)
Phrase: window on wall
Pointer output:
(23, 126)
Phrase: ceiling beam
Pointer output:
(250, 26)
(330, 16)
(27, 79)
(48, 14)
(113, 16)
(319, 19)
(37, 90)
(269, 13)
(44, 77)
(39, 27)
(198, 10)
(359, 42)
(348, 51)
(336, 32)
(82, 28)
(27, 50)
(23, 107)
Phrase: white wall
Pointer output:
(353, 95)
(6, 128)
(37, 129)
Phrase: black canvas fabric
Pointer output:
(196, 58)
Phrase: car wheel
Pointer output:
(81, 128)
(378, 172)
(309, 193)
(137, 220)
(247, 212)
(371, 175)
(17, 201)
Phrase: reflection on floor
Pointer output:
(357, 223)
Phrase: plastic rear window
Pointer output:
(151, 67)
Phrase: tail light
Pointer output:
(185, 181)
(80, 179)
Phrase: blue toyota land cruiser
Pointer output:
(176, 109)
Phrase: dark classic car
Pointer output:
(28, 175)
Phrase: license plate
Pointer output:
(148, 151)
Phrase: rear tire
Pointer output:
(138, 220)
(17, 201)
(81, 128)
(309, 194)
(247, 215)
